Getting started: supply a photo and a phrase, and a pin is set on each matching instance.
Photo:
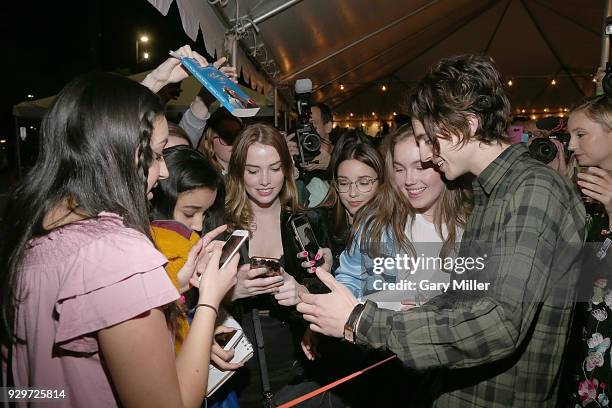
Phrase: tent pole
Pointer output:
(17, 149)
(285, 117)
(276, 107)
(233, 48)
(271, 13)
(605, 48)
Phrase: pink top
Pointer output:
(76, 280)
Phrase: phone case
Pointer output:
(234, 340)
(243, 351)
(299, 239)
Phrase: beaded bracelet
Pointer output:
(214, 309)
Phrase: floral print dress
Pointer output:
(594, 374)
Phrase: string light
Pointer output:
(533, 117)
(553, 82)
(373, 114)
(384, 88)
(351, 114)
(545, 109)
(510, 83)
(522, 110)
(394, 113)
(342, 87)
(363, 124)
(594, 79)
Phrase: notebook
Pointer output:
(243, 351)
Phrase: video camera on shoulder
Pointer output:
(308, 140)
(543, 148)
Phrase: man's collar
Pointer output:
(494, 172)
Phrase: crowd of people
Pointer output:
(109, 257)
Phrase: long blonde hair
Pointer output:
(238, 211)
(389, 211)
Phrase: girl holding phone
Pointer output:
(182, 207)
(414, 206)
(85, 296)
(357, 170)
(261, 198)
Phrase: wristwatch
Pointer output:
(350, 327)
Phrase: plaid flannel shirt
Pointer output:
(502, 347)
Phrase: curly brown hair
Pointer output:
(457, 89)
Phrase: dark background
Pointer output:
(45, 44)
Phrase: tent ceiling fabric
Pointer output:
(532, 42)
(198, 14)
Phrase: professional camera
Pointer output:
(542, 148)
(308, 140)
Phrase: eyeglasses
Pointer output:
(363, 184)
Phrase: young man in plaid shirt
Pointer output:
(502, 346)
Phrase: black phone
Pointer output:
(223, 338)
(305, 236)
(271, 264)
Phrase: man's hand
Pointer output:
(292, 144)
(290, 292)
(320, 162)
(328, 313)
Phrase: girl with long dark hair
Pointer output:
(86, 302)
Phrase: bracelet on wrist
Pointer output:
(214, 309)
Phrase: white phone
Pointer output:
(232, 245)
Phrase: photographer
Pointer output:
(550, 145)
(314, 174)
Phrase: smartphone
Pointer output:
(232, 245)
(271, 264)
(227, 340)
(305, 236)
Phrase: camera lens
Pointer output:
(543, 150)
(311, 142)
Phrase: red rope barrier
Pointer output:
(332, 385)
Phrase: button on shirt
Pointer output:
(501, 347)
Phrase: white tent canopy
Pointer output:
(364, 44)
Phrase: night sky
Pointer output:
(48, 43)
